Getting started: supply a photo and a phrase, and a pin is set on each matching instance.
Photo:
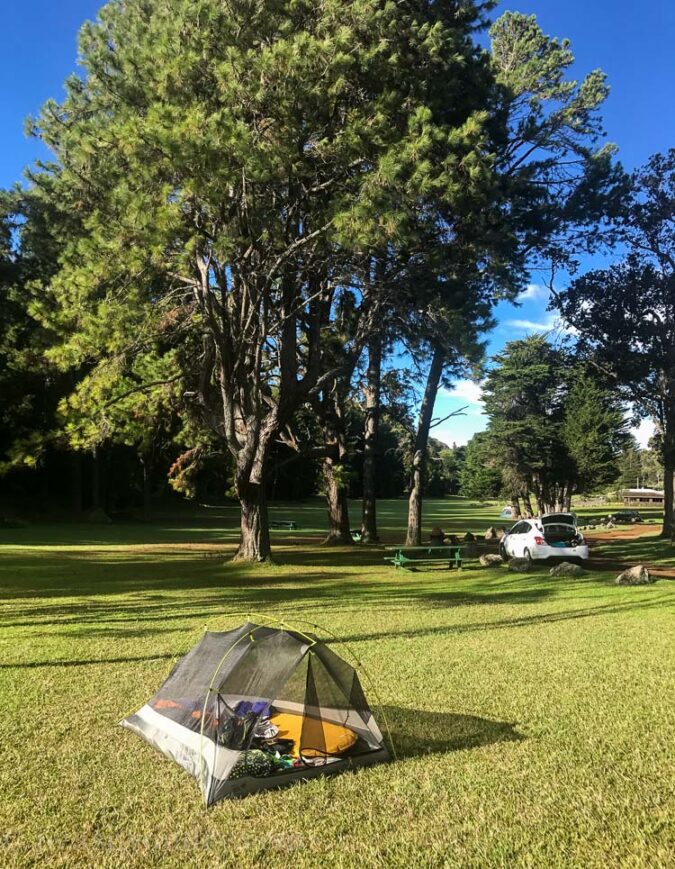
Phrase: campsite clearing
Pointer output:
(532, 715)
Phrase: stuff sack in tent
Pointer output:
(259, 707)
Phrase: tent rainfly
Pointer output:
(259, 707)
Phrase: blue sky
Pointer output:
(632, 42)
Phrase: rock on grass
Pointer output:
(490, 559)
(566, 568)
(638, 575)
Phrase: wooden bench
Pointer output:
(286, 524)
(408, 557)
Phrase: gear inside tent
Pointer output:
(259, 707)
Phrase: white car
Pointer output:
(554, 535)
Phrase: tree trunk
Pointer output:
(546, 503)
(528, 504)
(536, 489)
(414, 533)
(668, 529)
(147, 488)
(96, 479)
(371, 432)
(515, 507)
(255, 533)
(76, 482)
(339, 531)
(668, 455)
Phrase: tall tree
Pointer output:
(11, 320)
(480, 477)
(31, 387)
(594, 432)
(372, 389)
(555, 428)
(555, 184)
(652, 465)
(631, 474)
(625, 314)
(228, 161)
(525, 405)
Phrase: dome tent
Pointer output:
(259, 707)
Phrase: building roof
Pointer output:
(655, 492)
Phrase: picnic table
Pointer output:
(408, 557)
(287, 524)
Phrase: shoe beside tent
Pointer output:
(260, 707)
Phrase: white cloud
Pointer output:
(466, 391)
(533, 293)
(532, 326)
(552, 323)
(644, 432)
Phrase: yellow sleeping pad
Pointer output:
(319, 738)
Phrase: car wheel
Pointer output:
(503, 552)
(527, 554)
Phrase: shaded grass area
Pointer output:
(533, 717)
(648, 548)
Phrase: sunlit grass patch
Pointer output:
(533, 716)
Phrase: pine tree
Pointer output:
(231, 165)
(480, 477)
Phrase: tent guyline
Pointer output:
(260, 706)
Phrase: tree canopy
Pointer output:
(554, 429)
(245, 200)
(625, 314)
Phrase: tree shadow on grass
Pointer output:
(416, 732)
(86, 662)
(137, 616)
(620, 553)
(514, 622)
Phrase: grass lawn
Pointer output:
(533, 717)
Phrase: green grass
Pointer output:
(533, 716)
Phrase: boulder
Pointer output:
(489, 560)
(469, 537)
(566, 568)
(492, 533)
(610, 525)
(638, 575)
(520, 565)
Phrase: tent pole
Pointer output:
(248, 635)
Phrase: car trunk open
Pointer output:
(558, 519)
(558, 534)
